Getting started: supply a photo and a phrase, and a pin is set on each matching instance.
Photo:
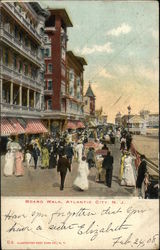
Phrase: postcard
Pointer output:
(79, 124)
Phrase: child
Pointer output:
(28, 158)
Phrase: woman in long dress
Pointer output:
(9, 163)
(19, 169)
(45, 157)
(81, 180)
(122, 165)
(129, 172)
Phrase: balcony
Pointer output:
(12, 74)
(14, 110)
(19, 47)
(48, 92)
(20, 16)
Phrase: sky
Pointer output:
(119, 40)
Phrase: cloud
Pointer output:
(150, 74)
(104, 73)
(123, 29)
(95, 48)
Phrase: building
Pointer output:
(74, 90)
(89, 103)
(56, 72)
(63, 76)
(21, 67)
(137, 125)
(118, 119)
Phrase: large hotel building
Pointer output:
(41, 83)
(63, 77)
(22, 67)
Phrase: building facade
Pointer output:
(64, 74)
(22, 63)
(89, 103)
(74, 88)
(56, 73)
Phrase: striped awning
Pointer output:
(35, 127)
(17, 126)
(80, 125)
(6, 128)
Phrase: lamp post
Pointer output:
(129, 111)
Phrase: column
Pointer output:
(1, 90)
(27, 98)
(11, 93)
(20, 95)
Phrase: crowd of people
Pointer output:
(60, 150)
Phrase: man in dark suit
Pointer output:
(35, 154)
(107, 164)
(142, 169)
(63, 165)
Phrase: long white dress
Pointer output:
(79, 150)
(9, 164)
(81, 180)
(128, 177)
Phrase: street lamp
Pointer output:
(129, 111)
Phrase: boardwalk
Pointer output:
(46, 182)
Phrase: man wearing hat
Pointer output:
(63, 165)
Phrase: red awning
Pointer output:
(80, 125)
(71, 125)
(35, 127)
(17, 126)
(6, 128)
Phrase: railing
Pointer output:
(14, 107)
(12, 73)
(20, 46)
(20, 17)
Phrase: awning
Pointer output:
(80, 125)
(6, 128)
(17, 126)
(71, 125)
(35, 127)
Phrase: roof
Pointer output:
(63, 14)
(81, 60)
(136, 119)
(38, 9)
(90, 92)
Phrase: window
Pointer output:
(26, 69)
(26, 41)
(6, 57)
(20, 67)
(15, 61)
(50, 68)
(47, 52)
(15, 31)
(49, 84)
(78, 81)
(49, 104)
(86, 102)
(63, 70)
(63, 54)
(71, 75)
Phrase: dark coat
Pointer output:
(69, 151)
(52, 160)
(108, 162)
(35, 152)
(63, 165)
(141, 173)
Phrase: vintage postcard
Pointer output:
(79, 124)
